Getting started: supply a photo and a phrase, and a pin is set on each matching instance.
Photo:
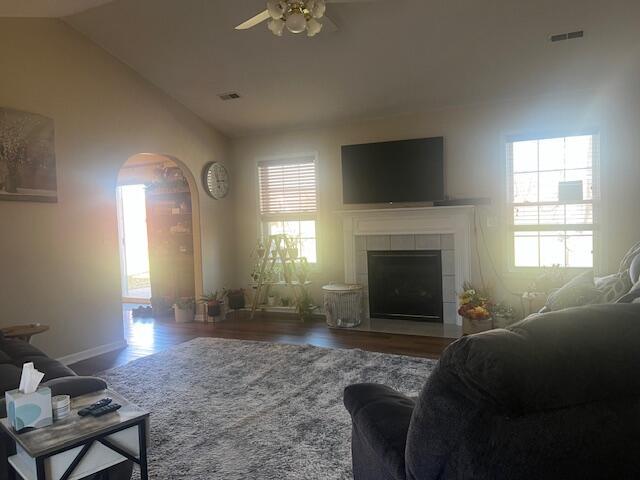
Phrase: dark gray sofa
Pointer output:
(60, 378)
(556, 396)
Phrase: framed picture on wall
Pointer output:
(27, 157)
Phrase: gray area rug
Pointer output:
(232, 409)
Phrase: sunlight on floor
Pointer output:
(138, 331)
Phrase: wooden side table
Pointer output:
(24, 332)
(75, 447)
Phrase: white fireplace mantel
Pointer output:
(456, 220)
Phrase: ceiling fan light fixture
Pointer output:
(297, 16)
(313, 27)
(277, 8)
(296, 22)
(317, 8)
(276, 26)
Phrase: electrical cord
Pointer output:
(489, 256)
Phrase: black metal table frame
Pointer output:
(86, 445)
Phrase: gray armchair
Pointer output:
(556, 396)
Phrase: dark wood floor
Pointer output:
(147, 336)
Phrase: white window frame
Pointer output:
(264, 219)
(595, 202)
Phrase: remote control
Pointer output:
(99, 404)
(98, 412)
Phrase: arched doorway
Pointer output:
(159, 231)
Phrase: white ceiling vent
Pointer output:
(229, 96)
(560, 37)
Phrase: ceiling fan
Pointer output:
(297, 16)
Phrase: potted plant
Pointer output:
(303, 271)
(184, 309)
(161, 306)
(475, 310)
(285, 301)
(213, 304)
(235, 298)
(503, 315)
(305, 306)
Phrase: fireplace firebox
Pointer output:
(405, 285)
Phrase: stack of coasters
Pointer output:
(61, 406)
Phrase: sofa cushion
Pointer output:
(614, 286)
(4, 358)
(18, 349)
(633, 294)
(50, 367)
(581, 290)
(634, 270)
(553, 360)
(629, 257)
(9, 377)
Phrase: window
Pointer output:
(288, 202)
(552, 187)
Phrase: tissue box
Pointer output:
(29, 409)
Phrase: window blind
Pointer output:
(287, 186)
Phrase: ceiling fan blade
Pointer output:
(253, 21)
(328, 25)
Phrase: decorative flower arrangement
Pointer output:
(474, 305)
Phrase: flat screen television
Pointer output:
(399, 171)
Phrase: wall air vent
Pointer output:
(567, 36)
(229, 96)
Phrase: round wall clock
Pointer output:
(216, 180)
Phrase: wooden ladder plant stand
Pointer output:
(279, 250)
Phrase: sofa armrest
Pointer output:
(75, 386)
(381, 418)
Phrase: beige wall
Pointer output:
(59, 262)
(475, 167)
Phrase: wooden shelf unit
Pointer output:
(171, 260)
(280, 251)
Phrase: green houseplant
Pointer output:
(235, 298)
(213, 303)
(184, 309)
(305, 306)
(503, 315)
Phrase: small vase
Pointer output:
(471, 326)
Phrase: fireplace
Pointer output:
(405, 284)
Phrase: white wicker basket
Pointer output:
(343, 304)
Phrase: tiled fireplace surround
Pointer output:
(448, 229)
(443, 242)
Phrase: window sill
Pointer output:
(534, 272)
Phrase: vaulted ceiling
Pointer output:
(388, 56)
(46, 8)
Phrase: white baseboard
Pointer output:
(92, 352)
